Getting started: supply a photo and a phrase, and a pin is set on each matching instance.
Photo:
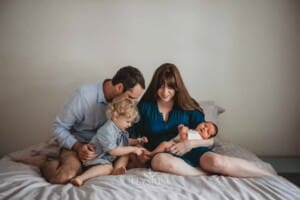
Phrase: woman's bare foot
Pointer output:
(77, 181)
(38, 160)
(119, 171)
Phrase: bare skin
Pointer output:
(211, 163)
(119, 171)
(174, 166)
(120, 165)
(122, 162)
(98, 170)
(56, 171)
(37, 160)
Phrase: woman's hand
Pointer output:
(180, 148)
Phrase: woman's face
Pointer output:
(166, 93)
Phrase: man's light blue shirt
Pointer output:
(81, 116)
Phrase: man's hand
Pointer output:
(85, 152)
(180, 148)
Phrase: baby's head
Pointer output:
(207, 129)
(123, 112)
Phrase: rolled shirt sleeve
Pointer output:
(71, 113)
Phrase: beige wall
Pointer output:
(242, 54)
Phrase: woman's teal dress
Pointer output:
(152, 125)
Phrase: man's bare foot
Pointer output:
(119, 171)
(77, 181)
(38, 160)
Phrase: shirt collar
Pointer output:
(116, 127)
(100, 95)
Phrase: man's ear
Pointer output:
(119, 88)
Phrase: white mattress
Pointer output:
(20, 181)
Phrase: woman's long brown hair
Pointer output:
(169, 74)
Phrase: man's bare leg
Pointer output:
(120, 165)
(63, 170)
(56, 171)
(38, 160)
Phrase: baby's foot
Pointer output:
(119, 171)
(77, 181)
(38, 160)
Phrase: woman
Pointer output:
(166, 104)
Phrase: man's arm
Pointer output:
(71, 113)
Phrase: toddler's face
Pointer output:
(206, 130)
(122, 122)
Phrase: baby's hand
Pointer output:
(180, 126)
(144, 140)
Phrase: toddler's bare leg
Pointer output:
(94, 171)
(120, 165)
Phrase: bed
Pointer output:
(20, 181)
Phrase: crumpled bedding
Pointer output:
(20, 181)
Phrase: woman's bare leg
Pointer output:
(230, 166)
(94, 171)
(165, 162)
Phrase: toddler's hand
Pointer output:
(145, 156)
(139, 151)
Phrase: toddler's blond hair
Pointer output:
(123, 107)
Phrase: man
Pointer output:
(80, 119)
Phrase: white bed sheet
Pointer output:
(20, 181)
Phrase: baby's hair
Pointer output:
(123, 107)
(216, 128)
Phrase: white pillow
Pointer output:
(211, 110)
